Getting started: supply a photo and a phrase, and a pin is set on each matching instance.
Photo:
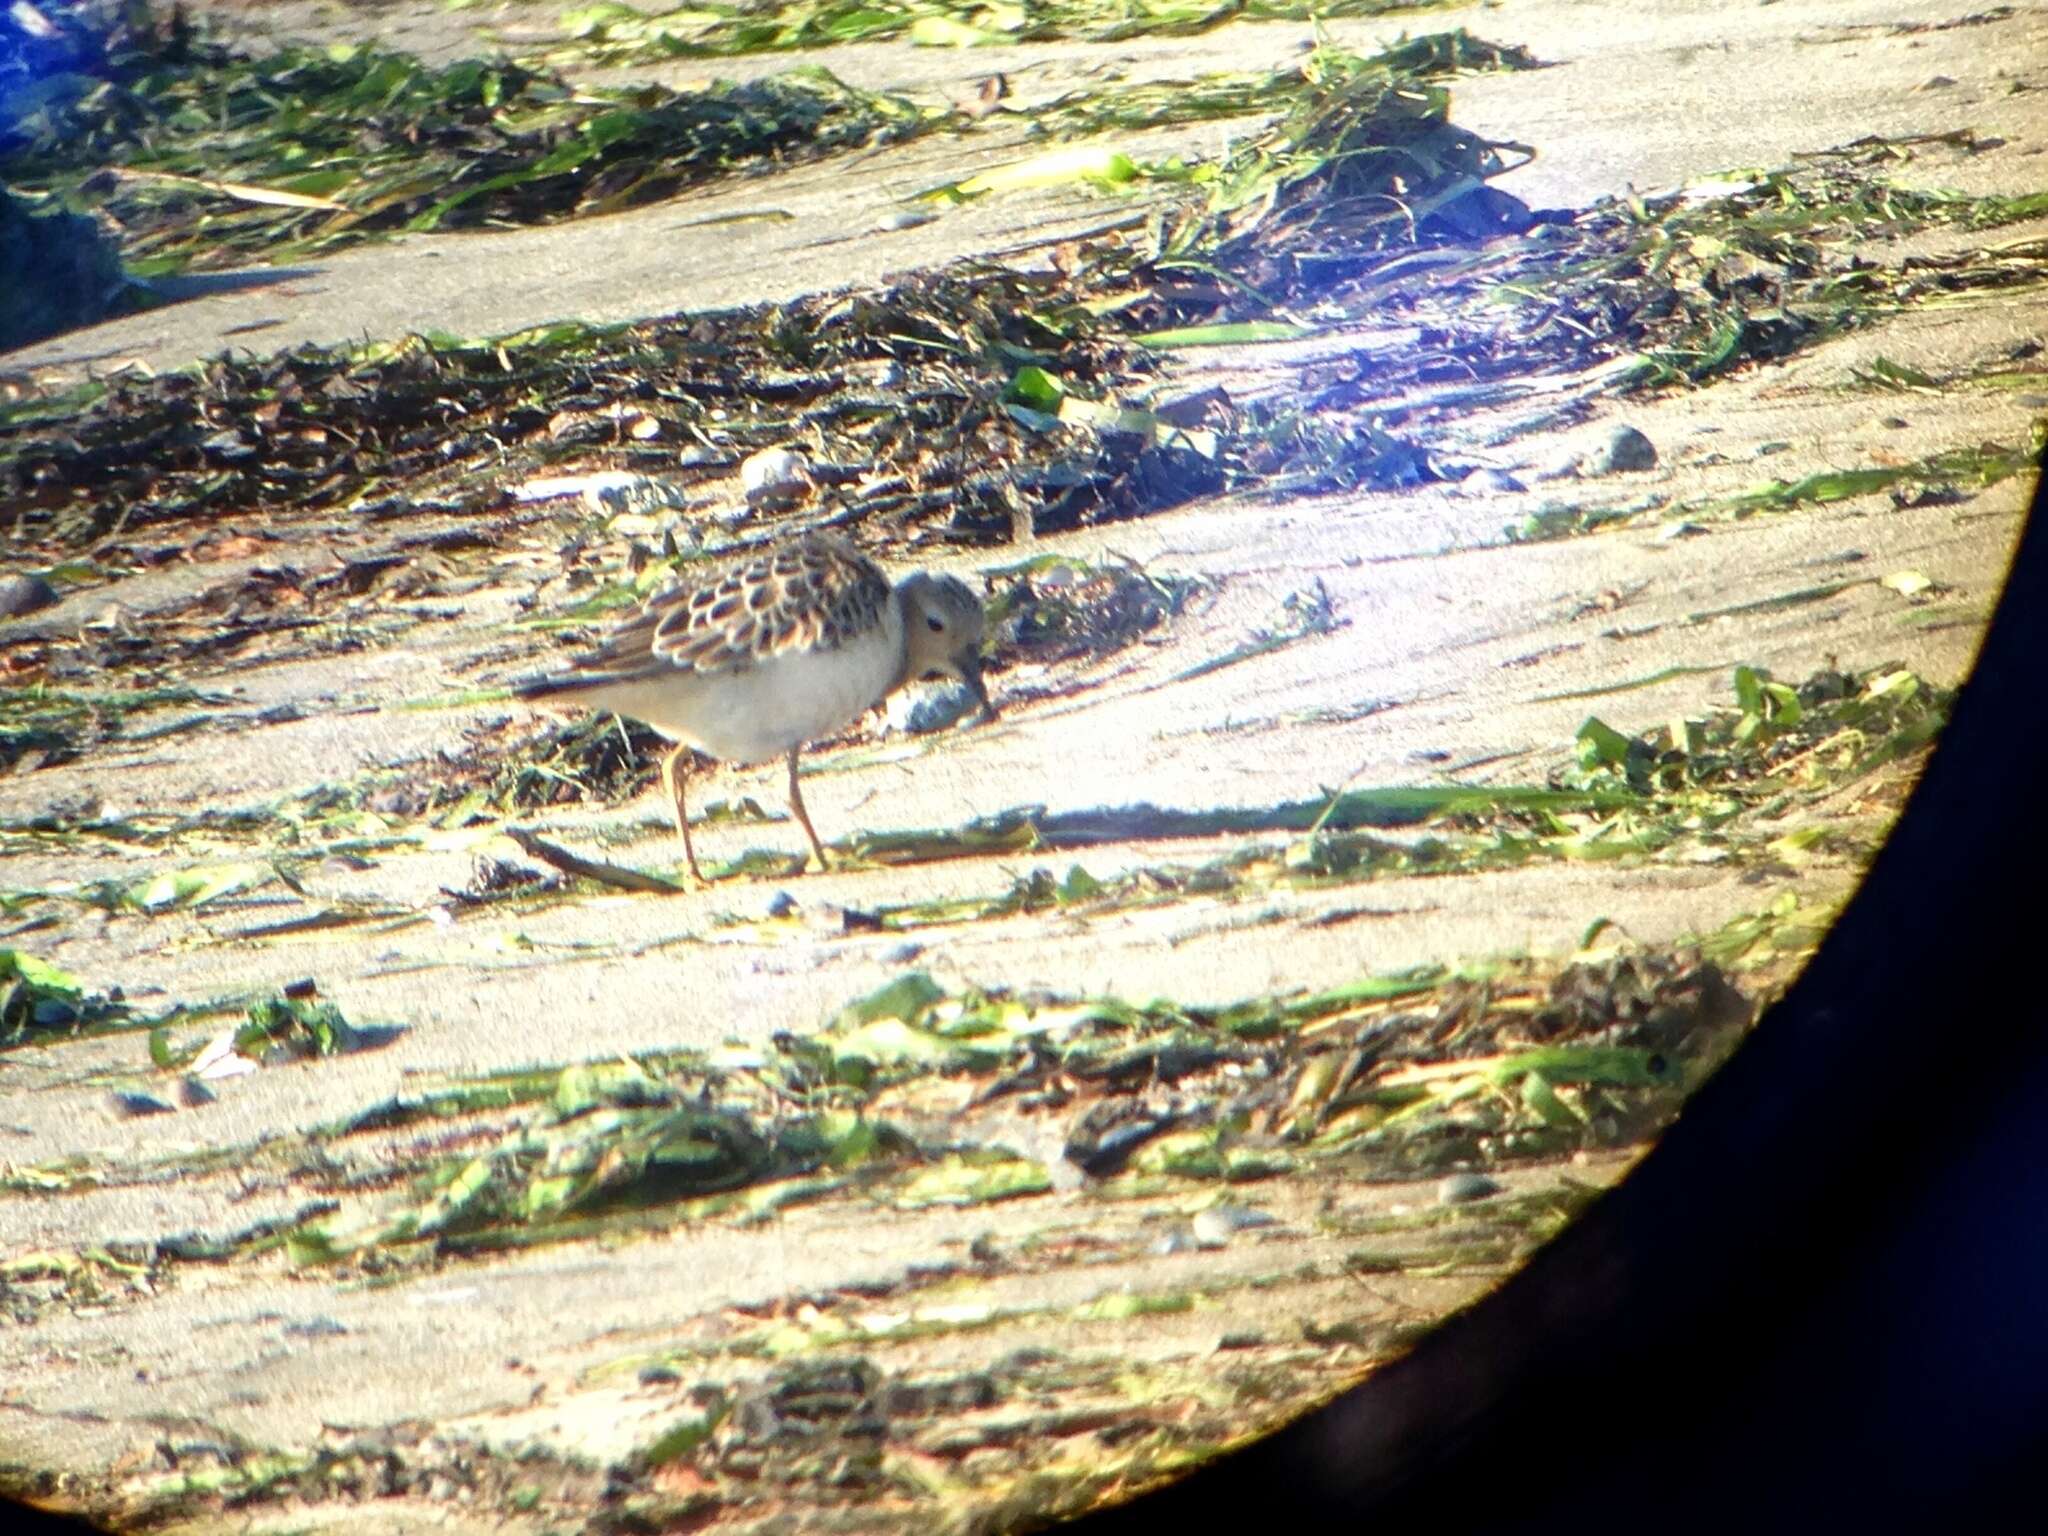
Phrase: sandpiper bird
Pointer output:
(750, 660)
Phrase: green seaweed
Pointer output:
(205, 154)
(610, 32)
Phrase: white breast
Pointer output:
(752, 715)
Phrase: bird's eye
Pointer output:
(936, 626)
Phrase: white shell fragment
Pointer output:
(220, 1059)
(774, 476)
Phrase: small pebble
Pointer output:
(658, 1375)
(24, 594)
(781, 904)
(1680, 530)
(316, 1328)
(192, 1093)
(933, 709)
(395, 800)
(1174, 1242)
(1489, 482)
(903, 218)
(1464, 1188)
(52, 1013)
(901, 954)
(131, 1106)
(1056, 578)
(1625, 451)
(1893, 423)
(1219, 1223)
(774, 475)
(699, 456)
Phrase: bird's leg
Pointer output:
(796, 803)
(677, 785)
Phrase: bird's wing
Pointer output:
(812, 594)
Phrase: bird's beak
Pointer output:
(970, 674)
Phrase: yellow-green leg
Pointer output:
(796, 803)
(677, 785)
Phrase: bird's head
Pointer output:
(942, 623)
